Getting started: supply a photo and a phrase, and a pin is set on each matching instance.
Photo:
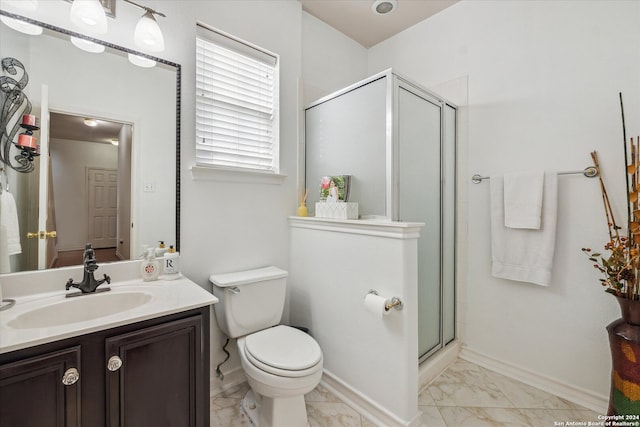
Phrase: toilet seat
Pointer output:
(283, 351)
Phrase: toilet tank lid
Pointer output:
(248, 276)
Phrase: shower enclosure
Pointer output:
(397, 141)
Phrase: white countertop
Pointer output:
(164, 298)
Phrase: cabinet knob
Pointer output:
(71, 376)
(114, 363)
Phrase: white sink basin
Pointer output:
(79, 309)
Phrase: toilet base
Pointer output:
(280, 412)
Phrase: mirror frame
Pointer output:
(178, 69)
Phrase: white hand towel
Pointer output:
(523, 199)
(523, 254)
(9, 223)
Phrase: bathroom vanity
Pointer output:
(146, 365)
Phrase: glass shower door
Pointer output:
(419, 200)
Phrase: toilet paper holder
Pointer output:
(393, 303)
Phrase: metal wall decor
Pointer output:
(15, 109)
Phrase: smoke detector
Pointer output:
(383, 7)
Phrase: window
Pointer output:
(236, 104)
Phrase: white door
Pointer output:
(103, 207)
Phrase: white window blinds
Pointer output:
(236, 104)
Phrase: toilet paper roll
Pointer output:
(376, 304)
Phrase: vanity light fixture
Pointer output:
(86, 45)
(23, 27)
(91, 122)
(115, 142)
(89, 16)
(141, 61)
(383, 7)
(148, 35)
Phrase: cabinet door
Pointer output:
(33, 393)
(159, 380)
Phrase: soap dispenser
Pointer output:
(171, 264)
(150, 267)
(161, 249)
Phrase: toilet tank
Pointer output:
(250, 300)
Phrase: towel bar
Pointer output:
(589, 172)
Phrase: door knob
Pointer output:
(42, 235)
(114, 363)
(71, 376)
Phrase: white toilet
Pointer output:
(281, 363)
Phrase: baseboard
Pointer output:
(231, 379)
(431, 368)
(588, 399)
(364, 405)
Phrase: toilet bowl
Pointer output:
(281, 363)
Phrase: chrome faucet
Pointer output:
(89, 283)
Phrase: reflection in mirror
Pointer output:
(137, 200)
(97, 152)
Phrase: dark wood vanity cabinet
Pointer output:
(149, 374)
(32, 392)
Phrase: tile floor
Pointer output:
(465, 395)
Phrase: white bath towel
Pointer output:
(9, 223)
(520, 254)
(523, 199)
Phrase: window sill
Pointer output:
(202, 173)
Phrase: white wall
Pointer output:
(371, 356)
(330, 60)
(543, 83)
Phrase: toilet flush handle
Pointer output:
(234, 289)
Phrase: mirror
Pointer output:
(66, 86)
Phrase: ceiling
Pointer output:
(355, 18)
(66, 126)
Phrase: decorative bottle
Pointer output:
(302, 209)
(150, 267)
(171, 264)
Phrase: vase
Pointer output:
(624, 341)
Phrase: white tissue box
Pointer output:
(337, 210)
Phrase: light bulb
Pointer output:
(23, 27)
(86, 45)
(28, 5)
(91, 122)
(141, 61)
(89, 15)
(148, 35)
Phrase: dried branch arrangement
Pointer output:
(620, 265)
